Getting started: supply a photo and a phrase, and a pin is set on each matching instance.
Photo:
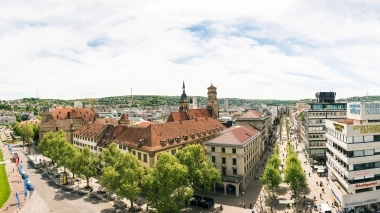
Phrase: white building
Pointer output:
(193, 103)
(78, 104)
(353, 158)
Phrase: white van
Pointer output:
(325, 208)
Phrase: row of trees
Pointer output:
(167, 185)
(293, 173)
(27, 130)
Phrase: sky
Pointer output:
(287, 50)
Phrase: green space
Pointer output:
(4, 185)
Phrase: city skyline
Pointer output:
(286, 50)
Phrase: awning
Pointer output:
(285, 201)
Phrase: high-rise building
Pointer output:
(353, 158)
(313, 131)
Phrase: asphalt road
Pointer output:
(50, 197)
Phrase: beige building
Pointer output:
(261, 121)
(236, 153)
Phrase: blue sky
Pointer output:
(256, 50)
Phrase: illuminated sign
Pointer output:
(361, 173)
(338, 127)
(367, 128)
(372, 108)
(364, 185)
(354, 108)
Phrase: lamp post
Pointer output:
(23, 141)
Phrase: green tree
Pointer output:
(274, 161)
(36, 132)
(27, 132)
(271, 178)
(55, 146)
(167, 184)
(111, 155)
(86, 163)
(201, 170)
(123, 177)
(295, 177)
(18, 117)
(16, 128)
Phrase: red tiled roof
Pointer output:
(86, 114)
(189, 115)
(172, 133)
(124, 117)
(236, 135)
(251, 114)
(177, 116)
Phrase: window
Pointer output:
(224, 171)
(223, 160)
(173, 151)
(233, 161)
(139, 155)
(234, 171)
(223, 149)
(145, 158)
(212, 149)
(234, 151)
(134, 153)
(213, 159)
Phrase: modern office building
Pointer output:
(312, 131)
(353, 158)
(236, 153)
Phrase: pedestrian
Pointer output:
(320, 195)
(13, 169)
(244, 205)
(323, 190)
(309, 174)
(243, 193)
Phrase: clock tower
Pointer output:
(212, 101)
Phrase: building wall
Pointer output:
(247, 158)
(349, 145)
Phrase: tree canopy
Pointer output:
(122, 174)
(167, 184)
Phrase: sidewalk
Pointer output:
(14, 182)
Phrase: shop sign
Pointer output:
(372, 108)
(361, 173)
(226, 154)
(363, 185)
(338, 127)
(360, 203)
(354, 108)
(367, 128)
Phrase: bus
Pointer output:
(325, 208)
(35, 161)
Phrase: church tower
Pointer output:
(212, 101)
(184, 103)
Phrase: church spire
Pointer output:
(184, 101)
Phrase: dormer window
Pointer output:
(204, 132)
(163, 142)
(185, 137)
(171, 140)
(178, 139)
(141, 142)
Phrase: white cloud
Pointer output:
(255, 49)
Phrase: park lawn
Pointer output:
(4, 184)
